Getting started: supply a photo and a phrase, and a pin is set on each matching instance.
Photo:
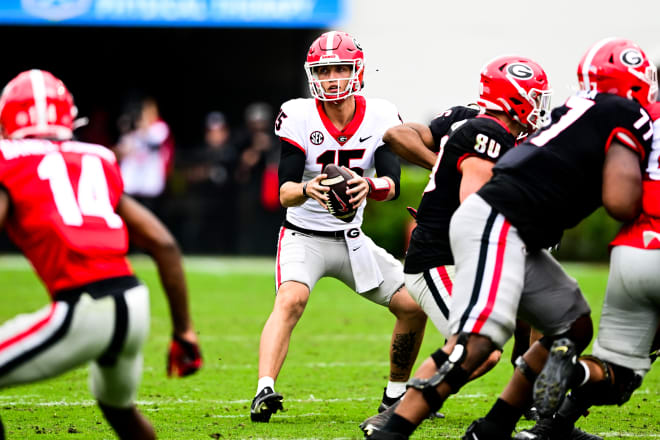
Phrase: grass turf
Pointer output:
(333, 378)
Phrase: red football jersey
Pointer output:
(644, 232)
(63, 199)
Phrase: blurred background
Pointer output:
(185, 91)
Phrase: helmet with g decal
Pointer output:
(619, 66)
(517, 86)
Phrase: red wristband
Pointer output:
(379, 188)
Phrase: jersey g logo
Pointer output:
(353, 232)
(520, 71)
(316, 138)
(631, 57)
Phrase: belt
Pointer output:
(98, 289)
(329, 234)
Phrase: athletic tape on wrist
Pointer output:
(379, 188)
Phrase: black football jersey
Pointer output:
(468, 134)
(553, 180)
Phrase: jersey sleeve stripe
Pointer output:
(460, 160)
(626, 138)
(294, 143)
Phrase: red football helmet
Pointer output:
(517, 86)
(335, 48)
(619, 66)
(35, 103)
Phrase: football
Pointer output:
(337, 203)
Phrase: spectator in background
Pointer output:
(210, 225)
(256, 173)
(145, 153)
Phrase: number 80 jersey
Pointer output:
(303, 123)
(62, 216)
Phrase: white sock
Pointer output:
(395, 389)
(264, 382)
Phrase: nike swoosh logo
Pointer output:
(364, 139)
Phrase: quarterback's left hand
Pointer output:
(184, 357)
(358, 188)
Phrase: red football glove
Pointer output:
(184, 358)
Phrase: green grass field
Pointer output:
(333, 377)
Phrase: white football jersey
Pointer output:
(303, 123)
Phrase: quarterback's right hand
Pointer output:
(184, 357)
(316, 191)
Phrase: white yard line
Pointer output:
(208, 265)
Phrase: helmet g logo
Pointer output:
(520, 71)
(631, 58)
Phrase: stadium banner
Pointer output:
(179, 13)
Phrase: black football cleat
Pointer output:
(265, 404)
(483, 429)
(553, 382)
(550, 429)
(377, 434)
(387, 401)
(532, 413)
(378, 421)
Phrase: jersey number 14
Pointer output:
(93, 198)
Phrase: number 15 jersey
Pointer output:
(62, 215)
(303, 123)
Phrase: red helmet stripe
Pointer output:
(39, 93)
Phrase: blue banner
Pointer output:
(180, 13)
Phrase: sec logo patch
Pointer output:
(316, 138)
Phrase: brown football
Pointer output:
(337, 203)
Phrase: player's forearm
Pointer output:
(291, 194)
(407, 143)
(170, 271)
(622, 183)
(148, 233)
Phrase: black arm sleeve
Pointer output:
(292, 163)
(387, 164)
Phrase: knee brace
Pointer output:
(615, 389)
(526, 371)
(448, 371)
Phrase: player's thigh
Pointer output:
(390, 268)
(304, 258)
(629, 318)
(54, 339)
(489, 262)
(431, 289)
(114, 377)
(551, 299)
